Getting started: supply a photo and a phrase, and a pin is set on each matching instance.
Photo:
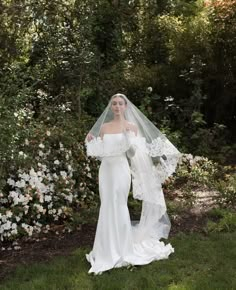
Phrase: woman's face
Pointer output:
(118, 106)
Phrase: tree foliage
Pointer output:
(80, 52)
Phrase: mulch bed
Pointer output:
(44, 247)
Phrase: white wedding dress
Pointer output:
(116, 243)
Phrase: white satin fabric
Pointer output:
(116, 241)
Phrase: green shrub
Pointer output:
(226, 221)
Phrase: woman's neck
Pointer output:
(118, 119)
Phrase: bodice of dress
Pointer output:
(109, 145)
(118, 143)
(114, 144)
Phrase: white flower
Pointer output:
(71, 174)
(13, 194)
(41, 93)
(169, 99)
(47, 198)
(26, 142)
(26, 209)
(189, 156)
(50, 205)
(63, 174)
(24, 176)
(14, 226)
(69, 197)
(17, 218)
(39, 207)
(32, 172)
(44, 167)
(22, 199)
(23, 225)
(48, 133)
(51, 187)
(56, 162)
(55, 175)
(16, 114)
(7, 225)
(9, 213)
(49, 177)
(40, 153)
(11, 181)
(21, 153)
(20, 183)
(87, 167)
(41, 199)
(149, 89)
(41, 145)
(39, 173)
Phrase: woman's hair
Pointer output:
(122, 96)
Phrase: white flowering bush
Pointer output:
(48, 183)
(198, 169)
(201, 172)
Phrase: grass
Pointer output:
(199, 262)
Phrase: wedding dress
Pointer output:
(117, 241)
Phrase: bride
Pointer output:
(131, 150)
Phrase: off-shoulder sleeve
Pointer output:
(94, 147)
(99, 147)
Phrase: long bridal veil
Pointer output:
(147, 176)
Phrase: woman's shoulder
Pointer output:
(128, 125)
(105, 128)
(106, 125)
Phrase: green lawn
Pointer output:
(199, 262)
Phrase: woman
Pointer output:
(130, 147)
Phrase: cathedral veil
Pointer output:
(147, 176)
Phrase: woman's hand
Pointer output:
(89, 137)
